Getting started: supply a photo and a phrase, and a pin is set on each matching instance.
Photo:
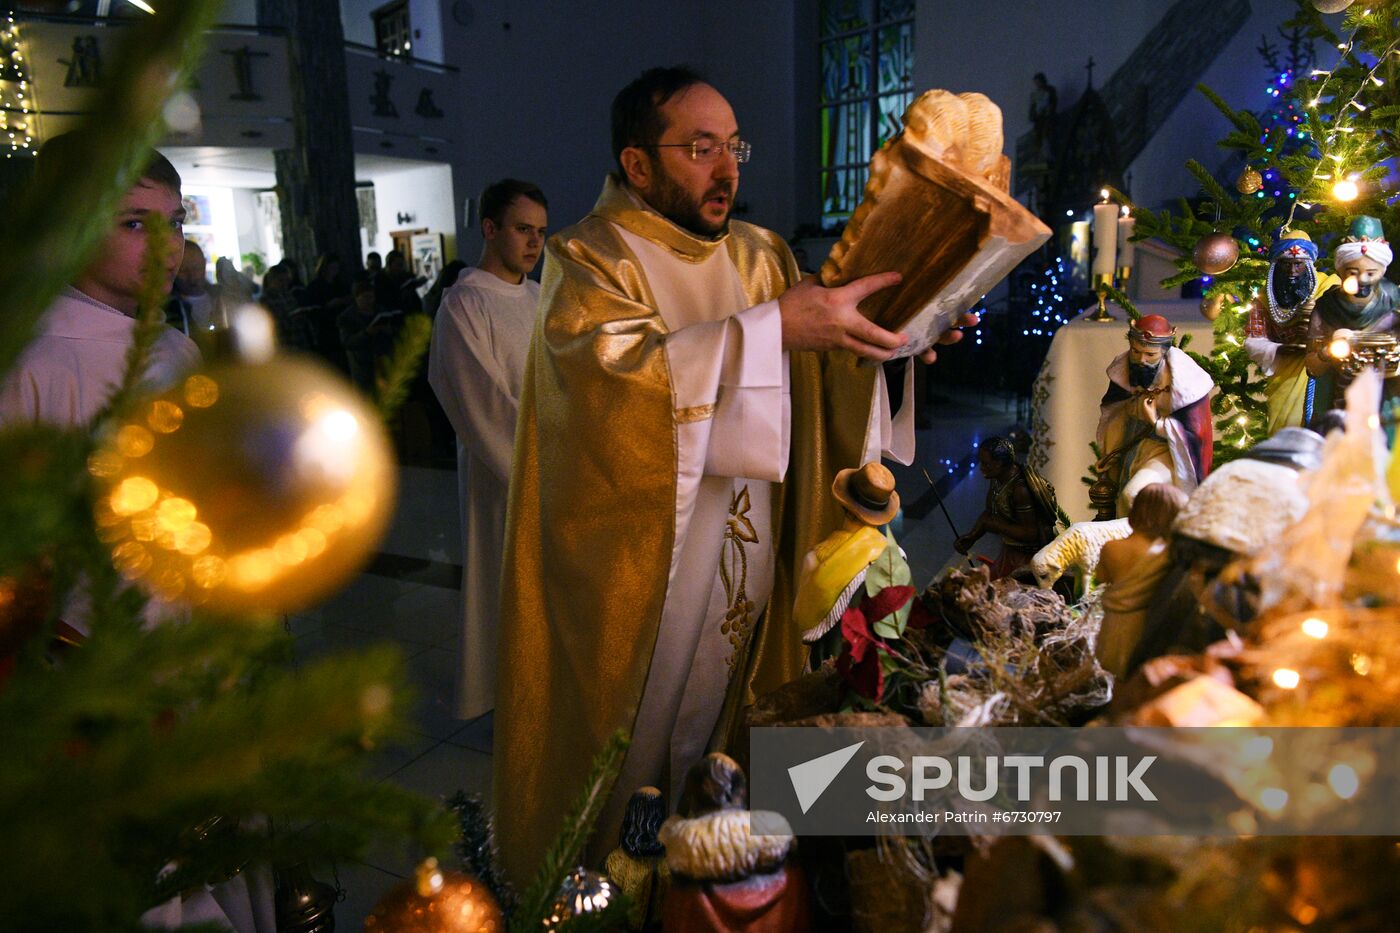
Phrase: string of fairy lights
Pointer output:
(1345, 184)
(1049, 309)
(16, 94)
(1330, 140)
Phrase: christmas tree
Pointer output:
(148, 761)
(17, 106)
(1314, 160)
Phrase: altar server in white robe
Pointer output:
(66, 376)
(69, 371)
(476, 365)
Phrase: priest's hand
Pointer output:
(819, 318)
(952, 336)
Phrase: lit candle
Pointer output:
(1105, 238)
(1126, 225)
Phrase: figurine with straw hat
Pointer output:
(833, 572)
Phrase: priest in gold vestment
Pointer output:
(674, 457)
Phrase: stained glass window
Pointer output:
(867, 75)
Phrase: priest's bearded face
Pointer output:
(695, 195)
(1293, 282)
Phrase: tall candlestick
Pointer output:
(1105, 238)
(1127, 224)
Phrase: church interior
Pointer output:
(449, 546)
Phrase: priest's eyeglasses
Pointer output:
(707, 150)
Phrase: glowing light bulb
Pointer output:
(1345, 190)
(1351, 285)
(1287, 678)
(1314, 628)
(1339, 349)
(1273, 799)
(1344, 781)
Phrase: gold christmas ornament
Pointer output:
(1331, 6)
(1215, 253)
(583, 892)
(246, 488)
(437, 901)
(1249, 181)
(1212, 306)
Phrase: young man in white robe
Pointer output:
(476, 365)
(681, 424)
(77, 358)
(67, 375)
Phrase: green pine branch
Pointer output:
(409, 348)
(1244, 121)
(142, 734)
(1121, 299)
(564, 852)
(150, 315)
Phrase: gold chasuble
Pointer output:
(603, 461)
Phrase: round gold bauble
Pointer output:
(437, 901)
(246, 487)
(1212, 306)
(583, 892)
(1215, 253)
(1249, 181)
(1331, 6)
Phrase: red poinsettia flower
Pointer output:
(888, 601)
(859, 664)
(855, 629)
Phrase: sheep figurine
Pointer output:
(1077, 548)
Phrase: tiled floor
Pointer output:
(410, 597)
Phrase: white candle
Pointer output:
(1126, 225)
(1105, 238)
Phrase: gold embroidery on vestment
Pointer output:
(697, 413)
(734, 573)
